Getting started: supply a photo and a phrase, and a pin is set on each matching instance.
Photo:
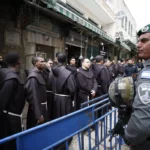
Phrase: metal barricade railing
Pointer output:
(88, 131)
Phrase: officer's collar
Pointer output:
(146, 63)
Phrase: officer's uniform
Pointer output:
(138, 130)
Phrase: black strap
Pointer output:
(117, 93)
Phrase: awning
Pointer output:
(75, 17)
(66, 12)
(78, 19)
(131, 44)
(125, 46)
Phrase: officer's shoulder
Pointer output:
(145, 74)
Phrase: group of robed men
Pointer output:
(50, 93)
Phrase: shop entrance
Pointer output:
(73, 51)
(41, 50)
(45, 51)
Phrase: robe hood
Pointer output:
(57, 70)
(37, 74)
(3, 72)
(87, 73)
(7, 73)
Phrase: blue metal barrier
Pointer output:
(51, 134)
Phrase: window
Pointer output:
(74, 10)
(126, 23)
(122, 22)
(129, 28)
(91, 21)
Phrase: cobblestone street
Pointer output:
(75, 146)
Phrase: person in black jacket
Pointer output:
(131, 69)
(121, 67)
(140, 65)
(71, 67)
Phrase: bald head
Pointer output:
(86, 63)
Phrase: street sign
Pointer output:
(102, 53)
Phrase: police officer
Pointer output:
(137, 133)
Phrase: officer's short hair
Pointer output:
(98, 58)
(12, 58)
(35, 59)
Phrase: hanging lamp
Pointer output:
(92, 50)
(81, 57)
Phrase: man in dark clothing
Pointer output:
(108, 70)
(46, 74)
(131, 69)
(121, 67)
(112, 69)
(101, 76)
(86, 83)
(49, 64)
(36, 94)
(12, 100)
(63, 87)
(140, 65)
(71, 67)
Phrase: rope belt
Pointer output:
(49, 91)
(99, 86)
(12, 114)
(45, 103)
(16, 115)
(63, 95)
